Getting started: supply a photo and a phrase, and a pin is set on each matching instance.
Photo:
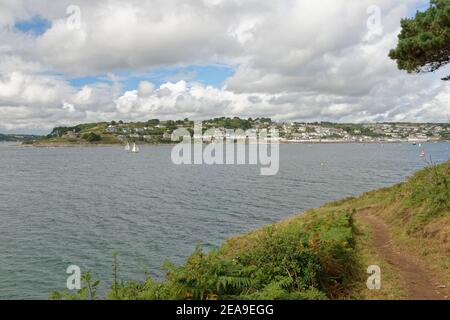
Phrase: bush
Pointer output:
(91, 137)
(310, 259)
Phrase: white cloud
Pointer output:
(295, 60)
(20, 89)
(198, 101)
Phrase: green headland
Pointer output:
(157, 131)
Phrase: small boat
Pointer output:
(127, 147)
(422, 153)
(135, 148)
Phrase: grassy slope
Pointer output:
(97, 128)
(321, 254)
(418, 213)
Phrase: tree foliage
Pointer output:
(424, 42)
(92, 137)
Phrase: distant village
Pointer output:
(157, 131)
(380, 132)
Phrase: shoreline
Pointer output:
(86, 145)
(71, 145)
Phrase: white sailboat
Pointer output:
(128, 147)
(135, 148)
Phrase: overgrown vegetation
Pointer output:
(304, 258)
(420, 200)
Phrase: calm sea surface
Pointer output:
(64, 206)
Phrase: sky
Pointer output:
(69, 62)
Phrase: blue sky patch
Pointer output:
(421, 7)
(210, 75)
(36, 25)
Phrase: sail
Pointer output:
(422, 153)
(127, 147)
(135, 148)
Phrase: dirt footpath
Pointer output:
(421, 283)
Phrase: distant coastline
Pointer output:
(159, 132)
(282, 142)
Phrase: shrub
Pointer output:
(310, 259)
(91, 137)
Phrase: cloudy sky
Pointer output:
(301, 60)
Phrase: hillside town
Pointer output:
(158, 131)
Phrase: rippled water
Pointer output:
(63, 206)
